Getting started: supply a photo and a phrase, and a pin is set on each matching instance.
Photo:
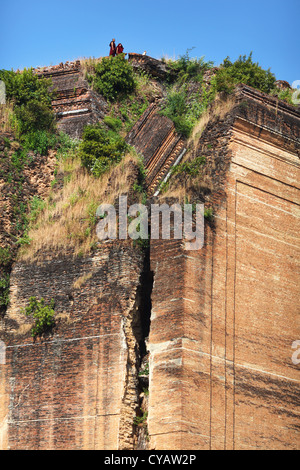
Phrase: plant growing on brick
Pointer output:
(43, 315)
(31, 99)
(100, 149)
(141, 420)
(186, 68)
(114, 78)
(190, 168)
(5, 256)
(4, 291)
(184, 108)
(243, 70)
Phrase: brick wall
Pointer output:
(223, 318)
(70, 390)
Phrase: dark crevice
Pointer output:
(142, 334)
(146, 286)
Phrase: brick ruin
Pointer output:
(215, 325)
(155, 137)
(75, 103)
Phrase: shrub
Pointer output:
(66, 146)
(141, 420)
(209, 214)
(245, 71)
(175, 108)
(31, 101)
(34, 116)
(5, 256)
(185, 69)
(99, 149)
(190, 168)
(114, 123)
(186, 110)
(114, 78)
(40, 141)
(285, 95)
(36, 206)
(43, 315)
(4, 290)
(23, 87)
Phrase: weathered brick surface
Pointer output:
(155, 138)
(70, 390)
(153, 67)
(224, 318)
(75, 104)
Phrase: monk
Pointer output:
(120, 49)
(112, 46)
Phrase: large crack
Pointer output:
(133, 433)
(145, 307)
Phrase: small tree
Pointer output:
(186, 68)
(114, 78)
(243, 70)
(43, 315)
(4, 291)
(100, 149)
(31, 100)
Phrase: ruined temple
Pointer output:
(200, 342)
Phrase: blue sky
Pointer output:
(37, 33)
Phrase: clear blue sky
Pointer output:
(37, 32)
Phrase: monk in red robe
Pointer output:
(113, 49)
(120, 49)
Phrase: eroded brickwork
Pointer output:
(223, 318)
(75, 104)
(155, 138)
(74, 390)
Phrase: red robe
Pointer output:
(120, 49)
(112, 49)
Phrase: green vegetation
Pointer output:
(25, 87)
(187, 97)
(145, 370)
(184, 103)
(100, 149)
(4, 291)
(113, 78)
(5, 256)
(141, 420)
(185, 109)
(128, 92)
(185, 106)
(243, 70)
(36, 206)
(43, 315)
(286, 95)
(190, 168)
(24, 210)
(31, 102)
(186, 69)
(113, 123)
(40, 141)
(209, 214)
